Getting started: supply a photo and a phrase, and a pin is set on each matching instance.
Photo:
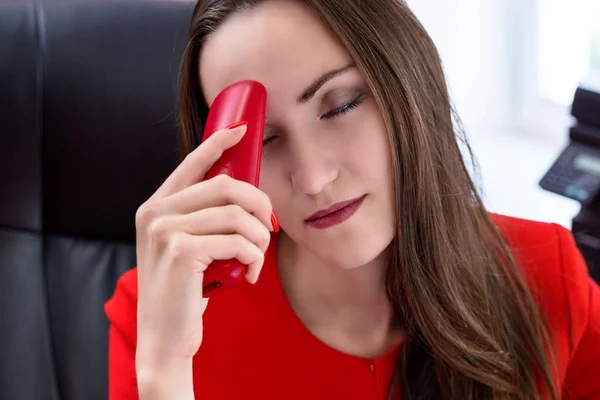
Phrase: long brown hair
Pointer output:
(474, 331)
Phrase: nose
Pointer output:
(313, 169)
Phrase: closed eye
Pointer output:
(331, 114)
(268, 140)
(344, 109)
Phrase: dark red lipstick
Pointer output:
(336, 214)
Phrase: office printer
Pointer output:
(576, 175)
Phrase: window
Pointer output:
(559, 49)
(569, 47)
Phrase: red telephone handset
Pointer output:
(242, 101)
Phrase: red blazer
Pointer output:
(254, 346)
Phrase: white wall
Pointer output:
(475, 42)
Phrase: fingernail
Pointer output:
(236, 124)
(274, 222)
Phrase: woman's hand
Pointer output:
(181, 229)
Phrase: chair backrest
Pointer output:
(87, 133)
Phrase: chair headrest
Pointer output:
(91, 131)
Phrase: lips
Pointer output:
(332, 209)
(335, 214)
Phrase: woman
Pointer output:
(413, 292)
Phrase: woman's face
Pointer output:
(325, 139)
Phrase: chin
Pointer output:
(356, 242)
(362, 255)
(355, 249)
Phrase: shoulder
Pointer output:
(558, 278)
(522, 234)
(548, 257)
(549, 261)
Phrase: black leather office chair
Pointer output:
(87, 133)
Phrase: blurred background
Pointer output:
(513, 67)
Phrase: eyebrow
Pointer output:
(314, 88)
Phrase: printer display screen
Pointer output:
(587, 163)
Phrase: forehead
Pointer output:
(281, 44)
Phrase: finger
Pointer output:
(196, 164)
(230, 219)
(254, 269)
(198, 252)
(222, 190)
(225, 247)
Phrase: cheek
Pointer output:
(368, 149)
(274, 184)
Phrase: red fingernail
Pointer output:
(274, 222)
(236, 124)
